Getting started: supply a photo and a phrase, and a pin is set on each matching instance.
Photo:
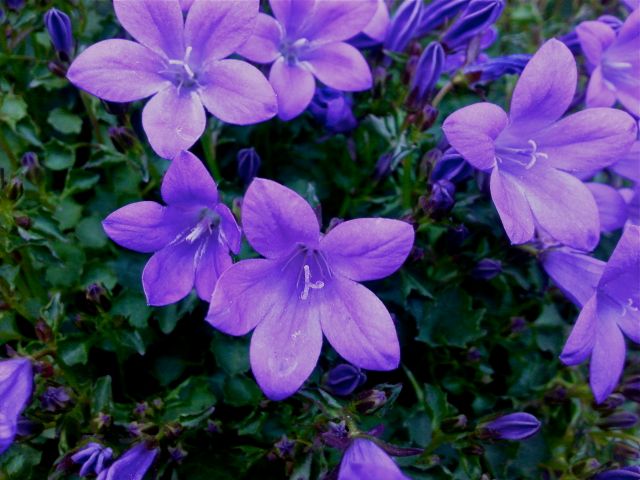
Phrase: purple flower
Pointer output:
(58, 26)
(628, 165)
(486, 269)
(625, 473)
(612, 208)
(451, 166)
(611, 310)
(494, 68)
(376, 30)
(133, 464)
(181, 65)
(515, 426)
(615, 62)
(437, 13)
(304, 42)
(619, 421)
(306, 286)
(344, 379)
(191, 236)
(93, 457)
(474, 20)
(530, 152)
(365, 459)
(16, 384)
(403, 25)
(55, 399)
(332, 108)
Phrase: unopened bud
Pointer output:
(58, 26)
(370, 401)
(486, 269)
(15, 189)
(454, 424)
(248, 164)
(515, 426)
(619, 421)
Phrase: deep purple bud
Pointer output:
(475, 20)
(122, 138)
(31, 166)
(438, 12)
(557, 396)
(612, 402)
(515, 426)
(134, 463)
(14, 4)
(631, 388)
(15, 189)
(93, 457)
(486, 269)
(618, 421)
(404, 25)
(625, 451)
(284, 447)
(332, 108)
(248, 164)
(626, 473)
(442, 198)
(344, 379)
(55, 399)
(370, 400)
(383, 166)
(451, 166)
(97, 295)
(28, 428)
(141, 409)
(426, 74)
(59, 28)
(494, 68)
(456, 236)
(177, 454)
(336, 436)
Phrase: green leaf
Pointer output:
(101, 400)
(18, 462)
(90, 233)
(73, 352)
(68, 213)
(12, 110)
(58, 157)
(191, 397)
(64, 122)
(232, 354)
(134, 308)
(240, 391)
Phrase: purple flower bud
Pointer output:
(248, 164)
(437, 13)
(454, 424)
(612, 402)
(332, 108)
(456, 236)
(442, 198)
(336, 436)
(133, 464)
(475, 20)
(141, 409)
(177, 454)
(344, 379)
(426, 74)
(619, 421)
(93, 457)
(15, 189)
(403, 26)
(494, 68)
(16, 384)
(14, 4)
(626, 473)
(486, 269)
(59, 28)
(631, 389)
(625, 451)
(451, 166)
(55, 399)
(96, 294)
(284, 447)
(370, 401)
(515, 426)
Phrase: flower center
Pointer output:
(209, 221)
(180, 72)
(292, 50)
(526, 157)
(311, 270)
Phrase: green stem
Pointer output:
(209, 146)
(92, 118)
(414, 383)
(7, 150)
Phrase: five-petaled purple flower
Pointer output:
(191, 236)
(181, 63)
(531, 152)
(16, 384)
(306, 39)
(615, 62)
(365, 459)
(307, 285)
(610, 299)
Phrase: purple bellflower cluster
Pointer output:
(16, 385)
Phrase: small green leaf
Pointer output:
(90, 233)
(58, 157)
(232, 354)
(134, 308)
(101, 400)
(64, 122)
(12, 109)
(240, 391)
(73, 352)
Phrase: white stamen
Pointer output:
(308, 284)
(196, 232)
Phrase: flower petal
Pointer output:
(216, 28)
(229, 229)
(598, 92)
(263, 45)
(144, 226)
(275, 219)
(237, 92)
(364, 459)
(588, 140)
(545, 88)
(340, 66)
(621, 277)
(582, 338)
(156, 25)
(472, 131)
(187, 182)
(377, 27)
(629, 165)
(16, 386)
(337, 20)
(368, 248)
(294, 87)
(607, 358)
(358, 325)
(292, 14)
(169, 274)
(512, 206)
(594, 37)
(627, 93)
(118, 71)
(173, 121)
(212, 260)
(612, 208)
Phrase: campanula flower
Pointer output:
(58, 26)
(365, 459)
(132, 465)
(514, 426)
(437, 13)
(308, 285)
(476, 18)
(609, 295)
(531, 153)
(615, 62)
(376, 30)
(612, 208)
(628, 166)
(451, 166)
(332, 109)
(306, 41)
(181, 65)
(404, 23)
(16, 384)
(93, 457)
(344, 379)
(427, 73)
(55, 399)
(191, 236)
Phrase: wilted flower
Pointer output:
(307, 285)
(306, 41)
(248, 164)
(332, 108)
(191, 236)
(477, 17)
(344, 379)
(59, 28)
(426, 74)
(181, 64)
(515, 426)
(365, 459)
(403, 26)
(93, 457)
(132, 465)
(529, 153)
(16, 384)
(615, 62)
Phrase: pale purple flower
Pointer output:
(306, 41)
(612, 208)
(365, 459)
(191, 236)
(609, 311)
(632, 197)
(93, 457)
(615, 62)
(306, 286)
(16, 384)
(531, 153)
(514, 426)
(332, 108)
(628, 165)
(181, 64)
(132, 465)
(376, 30)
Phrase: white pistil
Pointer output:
(534, 155)
(308, 284)
(197, 232)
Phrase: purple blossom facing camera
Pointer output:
(306, 41)
(365, 459)
(93, 457)
(191, 237)
(308, 285)
(181, 65)
(610, 299)
(532, 153)
(515, 426)
(615, 62)
(16, 384)
(332, 108)
(132, 465)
